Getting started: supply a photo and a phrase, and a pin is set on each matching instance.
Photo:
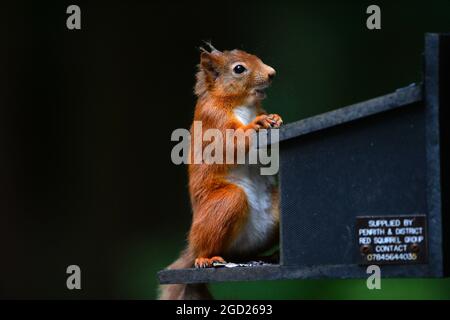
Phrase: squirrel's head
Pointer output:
(234, 74)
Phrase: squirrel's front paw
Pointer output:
(266, 121)
(275, 120)
(207, 262)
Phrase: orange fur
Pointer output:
(220, 208)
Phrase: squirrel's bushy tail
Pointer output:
(184, 291)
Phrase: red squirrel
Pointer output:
(235, 208)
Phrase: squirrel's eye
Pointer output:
(239, 69)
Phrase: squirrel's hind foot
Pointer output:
(208, 262)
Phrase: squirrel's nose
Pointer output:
(271, 74)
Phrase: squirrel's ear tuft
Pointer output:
(202, 50)
(211, 47)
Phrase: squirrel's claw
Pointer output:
(208, 262)
(275, 120)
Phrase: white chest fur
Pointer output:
(245, 114)
(261, 222)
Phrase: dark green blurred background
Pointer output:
(86, 117)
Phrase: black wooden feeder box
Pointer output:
(363, 185)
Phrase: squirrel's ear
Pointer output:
(209, 63)
(208, 70)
